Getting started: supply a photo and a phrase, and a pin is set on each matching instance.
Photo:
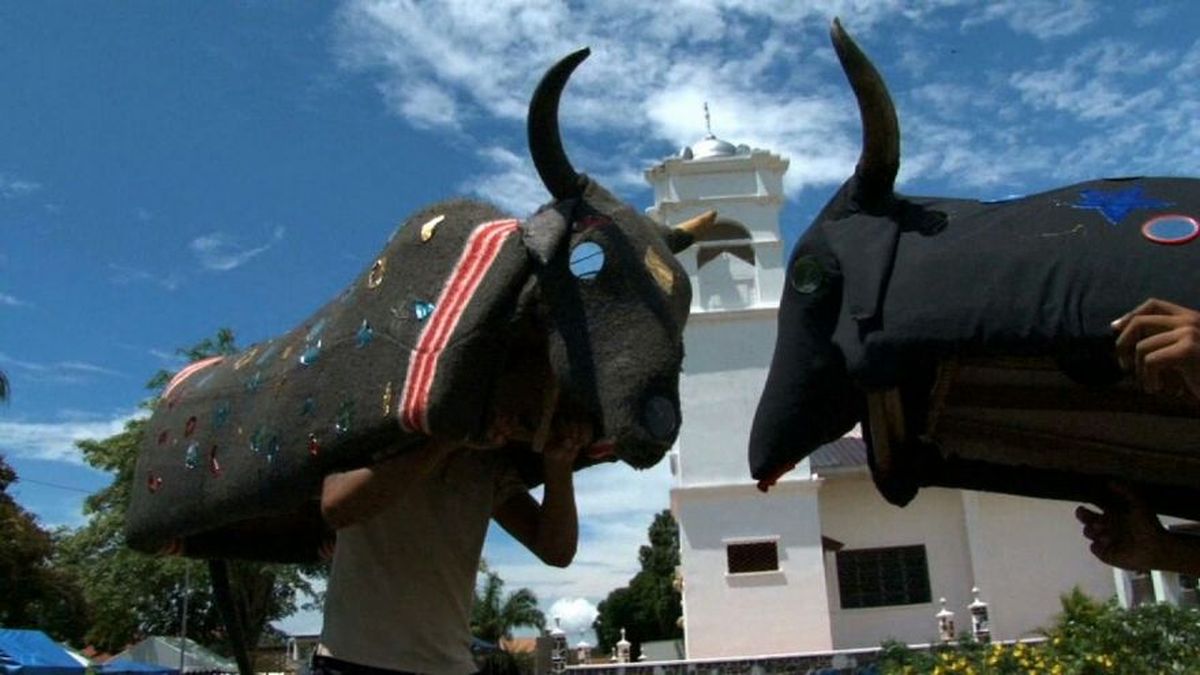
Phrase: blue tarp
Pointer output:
(123, 667)
(32, 652)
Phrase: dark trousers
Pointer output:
(327, 665)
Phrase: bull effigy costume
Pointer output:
(973, 339)
(464, 307)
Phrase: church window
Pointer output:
(755, 556)
(883, 577)
(727, 267)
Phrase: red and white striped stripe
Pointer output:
(190, 370)
(477, 257)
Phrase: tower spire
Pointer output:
(708, 121)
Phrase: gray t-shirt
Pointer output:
(402, 584)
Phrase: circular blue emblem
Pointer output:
(1171, 229)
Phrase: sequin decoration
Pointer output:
(316, 330)
(246, 357)
(314, 445)
(191, 458)
(311, 354)
(345, 418)
(163, 436)
(807, 275)
(214, 465)
(254, 382)
(258, 440)
(375, 276)
(153, 482)
(1171, 229)
(423, 309)
(659, 270)
(365, 334)
(190, 427)
(388, 396)
(267, 354)
(272, 448)
(221, 414)
(430, 227)
(309, 405)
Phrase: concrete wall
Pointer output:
(853, 513)
(1027, 553)
(758, 613)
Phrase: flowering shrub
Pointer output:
(1088, 638)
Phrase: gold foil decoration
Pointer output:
(245, 358)
(660, 270)
(388, 395)
(430, 226)
(375, 277)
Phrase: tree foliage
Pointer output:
(1088, 637)
(649, 607)
(495, 615)
(133, 595)
(34, 592)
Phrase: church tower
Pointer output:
(748, 559)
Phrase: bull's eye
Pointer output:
(587, 259)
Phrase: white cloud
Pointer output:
(55, 440)
(12, 188)
(221, 252)
(574, 615)
(122, 275)
(59, 371)
(1043, 19)
(7, 300)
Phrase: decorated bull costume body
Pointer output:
(973, 339)
(580, 307)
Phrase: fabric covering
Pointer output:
(164, 652)
(123, 667)
(32, 652)
(876, 301)
(234, 455)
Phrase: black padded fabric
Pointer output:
(877, 300)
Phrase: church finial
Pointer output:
(708, 121)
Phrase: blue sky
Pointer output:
(170, 168)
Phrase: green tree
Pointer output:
(133, 595)
(495, 615)
(34, 592)
(649, 607)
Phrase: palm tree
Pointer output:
(495, 615)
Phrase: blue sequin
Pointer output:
(221, 414)
(258, 440)
(1116, 204)
(315, 331)
(254, 382)
(345, 418)
(365, 334)
(311, 354)
(267, 354)
(308, 406)
(272, 448)
(192, 458)
(423, 309)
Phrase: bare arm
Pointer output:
(1128, 535)
(550, 529)
(354, 496)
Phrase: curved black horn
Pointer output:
(545, 145)
(880, 158)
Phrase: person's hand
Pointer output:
(1126, 533)
(567, 438)
(1160, 342)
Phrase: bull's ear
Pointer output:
(544, 233)
(683, 235)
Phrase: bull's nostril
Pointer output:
(660, 418)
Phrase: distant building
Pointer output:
(822, 561)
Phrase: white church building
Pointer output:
(821, 561)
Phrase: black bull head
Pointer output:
(578, 311)
(973, 339)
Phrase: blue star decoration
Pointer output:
(1116, 204)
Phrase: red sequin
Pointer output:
(190, 427)
(163, 436)
(153, 481)
(314, 446)
(214, 466)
